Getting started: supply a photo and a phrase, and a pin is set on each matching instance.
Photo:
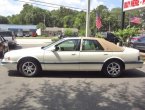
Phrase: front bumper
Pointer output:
(9, 65)
(133, 65)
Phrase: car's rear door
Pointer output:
(65, 58)
(92, 55)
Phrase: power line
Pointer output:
(56, 4)
(36, 2)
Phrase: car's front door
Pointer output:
(92, 55)
(64, 57)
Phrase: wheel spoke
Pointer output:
(29, 68)
(113, 68)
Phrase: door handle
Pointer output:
(73, 54)
(105, 54)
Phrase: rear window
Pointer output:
(6, 34)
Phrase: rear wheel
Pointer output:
(29, 67)
(113, 69)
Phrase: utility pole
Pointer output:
(123, 16)
(44, 20)
(88, 19)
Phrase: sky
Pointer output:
(11, 7)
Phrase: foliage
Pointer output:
(3, 20)
(41, 26)
(54, 39)
(99, 35)
(126, 33)
(82, 32)
(68, 18)
(68, 32)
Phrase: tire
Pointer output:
(29, 67)
(113, 69)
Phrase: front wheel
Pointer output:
(113, 69)
(29, 67)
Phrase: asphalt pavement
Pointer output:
(72, 90)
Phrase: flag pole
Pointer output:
(88, 19)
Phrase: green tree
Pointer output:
(41, 26)
(68, 32)
(3, 20)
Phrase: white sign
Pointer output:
(133, 4)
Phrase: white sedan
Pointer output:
(74, 54)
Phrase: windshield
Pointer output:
(53, 43)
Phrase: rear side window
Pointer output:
(91, 45)
(6, 34)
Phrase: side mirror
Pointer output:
(55, 49)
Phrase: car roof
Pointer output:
(108, 46)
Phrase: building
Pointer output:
(55, 31)
(19, 30)
(30, 30)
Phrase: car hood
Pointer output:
(26, 52)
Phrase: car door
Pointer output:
(64, 57)
(92, 55)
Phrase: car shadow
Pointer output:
(77, 74)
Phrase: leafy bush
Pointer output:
(54, 39)
(99, 35)
(68, 32)
(126, 33)
(82, 32)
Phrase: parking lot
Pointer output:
(71, 90)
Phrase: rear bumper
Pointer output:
(133, 65)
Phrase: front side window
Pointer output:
(91, 45)
(69, 45)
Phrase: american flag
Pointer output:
(135, 20)
(98, 21)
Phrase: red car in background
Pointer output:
(34, 34)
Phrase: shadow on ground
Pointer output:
(82, 96)
(69, 74)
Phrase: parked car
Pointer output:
(10, 37)
(111, 37)
(138, 43)
(132, 40)
(3, 46)
(74, 54)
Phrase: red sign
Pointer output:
(133, 4)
